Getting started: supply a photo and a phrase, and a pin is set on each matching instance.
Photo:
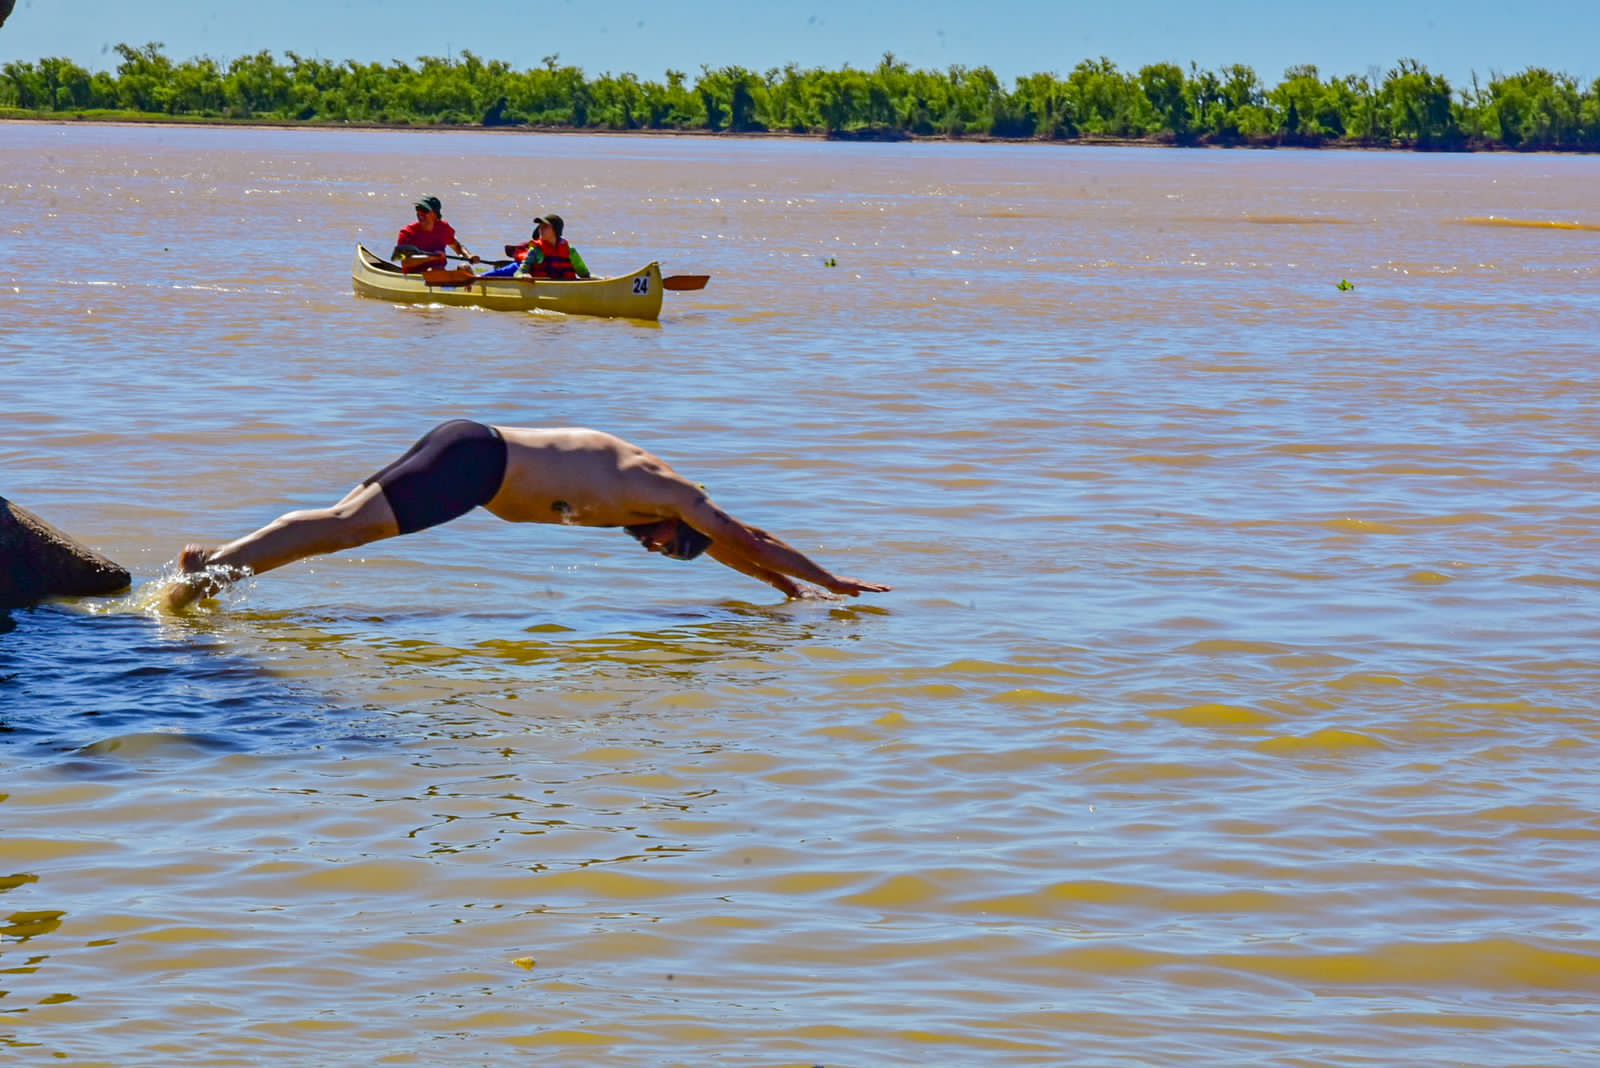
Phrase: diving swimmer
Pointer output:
(571, 476)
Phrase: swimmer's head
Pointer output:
(670, 537)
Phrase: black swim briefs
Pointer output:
(454, 468)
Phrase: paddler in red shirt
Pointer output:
(424, 242)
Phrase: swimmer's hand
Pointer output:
(847, 587)
(850, 587)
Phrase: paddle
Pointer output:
(486, 263)
(679, 282)
(462, 276)
(671, 281)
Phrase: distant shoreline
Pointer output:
(1408, 108)
(65, 118)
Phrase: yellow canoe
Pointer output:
(633, 296)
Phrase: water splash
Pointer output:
(232, 588)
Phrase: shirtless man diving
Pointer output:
(570, 476)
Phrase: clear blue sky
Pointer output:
(1014, 37)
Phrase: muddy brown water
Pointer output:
(1235, 702)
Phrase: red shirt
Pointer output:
(439, 239)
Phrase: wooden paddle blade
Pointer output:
(460, 276)
(685, 281)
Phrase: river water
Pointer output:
(1235, 702)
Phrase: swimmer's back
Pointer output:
(583, 476)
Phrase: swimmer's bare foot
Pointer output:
(194, 558)
(190, 587)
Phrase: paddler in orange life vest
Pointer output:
(548, 255)
(424, 242)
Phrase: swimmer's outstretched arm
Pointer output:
(782, 583)
(754, 552)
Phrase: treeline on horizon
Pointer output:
(1408, 107)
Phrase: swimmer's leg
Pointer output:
(363, 516)
(355, 491)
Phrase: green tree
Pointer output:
(1417, 107)
(363, 92)
(672, 106)
(1589, 118)
(1248, 112)
(1535, 109)
(144, 78)
(1167, 103)
(1046, 105)
(197, 88)
(256, 85)
(834, 96)
(1100, 97)
(891, 95)
(712, 100)
(67, 84)
(981, 100)
(23, 86)
(784, 104)
(1202, 93)
(729, 95)
(619, 102)
(1310, 112)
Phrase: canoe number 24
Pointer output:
(641, 285)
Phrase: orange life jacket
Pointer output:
(557, 262)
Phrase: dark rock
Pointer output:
(38, 561)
